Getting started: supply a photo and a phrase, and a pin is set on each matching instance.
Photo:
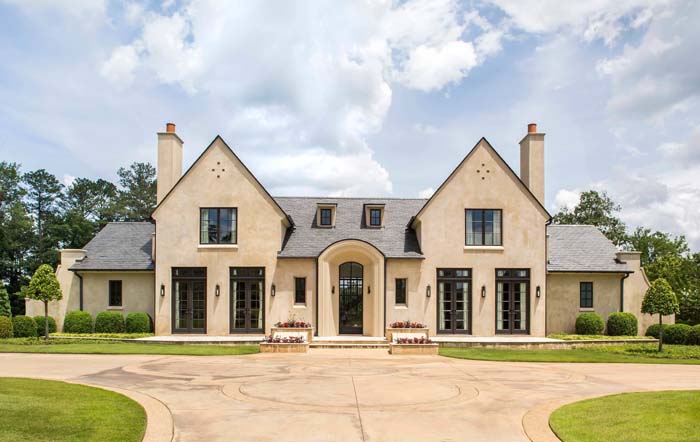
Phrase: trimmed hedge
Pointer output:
(589, 324)
(39, 319)
(78, 322)
(109, 322)
(653, 330)
(622, 324)
(676, 334)
(5, 327)
(23, 327)
(138, 322)
(694, 335)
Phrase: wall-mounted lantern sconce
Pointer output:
(369, 290)
(162, 290)
(217, 290)
(427, 291)
(537, 291)
(273, 290)
(483, 291)
(333, 289)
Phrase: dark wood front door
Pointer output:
(189, 300)
(454, 301)
(247, 300)
(512, 301)
(350, 299)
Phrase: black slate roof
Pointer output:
(119, 246)
(580, 248)
(394, 240)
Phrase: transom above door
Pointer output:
(454, 301)
(350, 299)
(189, 300)
(512, 301)
(247, 299)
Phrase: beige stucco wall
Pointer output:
(218, 179)
(282, 306)
(441, 229)
(418, 306)
(636, 287)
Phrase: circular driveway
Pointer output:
(350, 395)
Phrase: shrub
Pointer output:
(676, 334)
(5, 309)
(109, 322)
(78, 322)
(653, 330)
(5, 327)
(589, 324)
(694, 335)
(39, 319)
(138, 323)
(622, 324)
(23, 327)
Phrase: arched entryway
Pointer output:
(350, 286)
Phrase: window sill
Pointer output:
(299, 306)
(115, 307)
(218, 246)
(484, 248)
(401, 307)
(586, 309)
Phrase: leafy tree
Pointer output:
(137, 197)
(44, 287)
(597, 209)
(5, 309)
(88, 205)
(655, 245)
(660, 300)
(43, 193)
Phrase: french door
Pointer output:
(247, 300)
(350, 299)
(454, 301)
(512, 301)
(189, 300)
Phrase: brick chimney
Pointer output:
(532, 161)
(169, 160)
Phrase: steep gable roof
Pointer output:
(581, 248)
(255, 180)
(483, 141)
(119, 246)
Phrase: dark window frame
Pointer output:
(372, 212)
(483, 228)
(454, 275)
(589, 296)
(187, 274)
(297, 280)
(513, 275)
(112, 284)
(330, 217)
(234, 231)
(404, 281)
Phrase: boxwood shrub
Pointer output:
(589, 324)
(5, 327)
(694, 335)
(78, 322)
(653, 330)
(39, 319)
(109, 322)
(622, 324)
(138, 322)
(676, 334)
(23, 326)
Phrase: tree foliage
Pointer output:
(44, 287)
(5, 309)
(660, 300)
(596, 209)
(137, 199)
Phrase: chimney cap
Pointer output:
(531, 128)
(170, 127)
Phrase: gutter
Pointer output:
(80, 277)
(546, 263)
(384, 297)
(316, 306)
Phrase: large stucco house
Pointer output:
(480, 257)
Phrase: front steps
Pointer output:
(349, 342)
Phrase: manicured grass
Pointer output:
(102, 335)
(42, 411)
(629, 353)
(83, 346)
(567, 337)
(632, 417)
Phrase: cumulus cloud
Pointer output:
(426, 193)
(566, 199)
(68, 180)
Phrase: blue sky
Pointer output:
(366, 98)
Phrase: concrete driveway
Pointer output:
(348, 395)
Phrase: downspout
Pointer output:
(546, 279)
(316, 306)
(622, 291)
(80, 277)
(384, 331)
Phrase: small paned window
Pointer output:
(115, 293)
(586, 295)
(300, 290)
(326, 217)
(483, 227)
(375, 217)
(400, 291)
(218, 226)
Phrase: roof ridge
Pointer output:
(351, 198)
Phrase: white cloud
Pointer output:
(430, 68)
(119, 69)
(426, 193)
(566, 199)
(68, 180)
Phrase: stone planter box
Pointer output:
(273, 347)
(390, 332)
(309, 331)
(413, 349)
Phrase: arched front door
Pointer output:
(350, 299)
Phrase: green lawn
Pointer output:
(34, 345)
(568, 337)
(628, 353)
(43, 411)
(632, 417)
(102, 335)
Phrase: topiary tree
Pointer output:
(660, 300)
(77, 322)
(5, 327)
(39, 319)
(622, 324)
(23, 327)
(138, 322)
(44, 287)
(5, 308)
(589, 324)
(109, 322)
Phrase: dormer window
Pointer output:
(325, 215)
(374, 215)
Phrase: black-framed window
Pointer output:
(300, 290)
(115, 293)
(375, 217)
(218, 225)
(484, 227)
(400, 291)
(326, 216)
(586, 295)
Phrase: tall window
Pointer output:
(115, 293)
(218, 226)
(586, 295)
(326, 217)
(400, 291)
(300, 290)
(483, 227)
(375, 217)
